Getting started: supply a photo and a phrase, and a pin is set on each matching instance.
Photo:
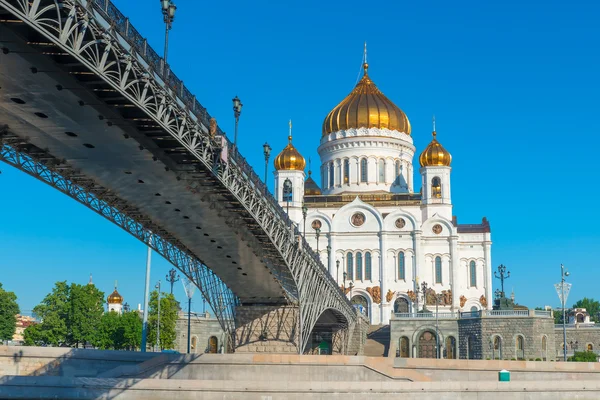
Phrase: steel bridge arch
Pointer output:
(102, 40)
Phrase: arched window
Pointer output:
(364, 170)
(436, 188)
(213, 345)
(361, 304)
(438, 269)
(473, 273)
(331, 175)
(520, 347)
(590, 347)
(368, 275)
(545, 347)
(404, 347)
(401, 268)
(359, 275)
(450, 348)
(346, 171)
(401, 305)
(349, 267)
(381, 171)
(497, 353)
(194, 344)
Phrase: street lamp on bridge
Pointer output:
(318, 234)
(304, 212)
(267, 153)
(172, 277)
(237, 111)
(287, 194)
(158, 319)
(168, 10)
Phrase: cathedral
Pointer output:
(391, 249)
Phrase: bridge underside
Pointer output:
(47, 98)
(89, 108)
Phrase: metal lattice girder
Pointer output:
(41, 165)
(103, 41)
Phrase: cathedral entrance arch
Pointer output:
(401, 305)
(427, 345)
(361, 303)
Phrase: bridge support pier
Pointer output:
(275, 329)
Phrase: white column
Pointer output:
(383, 277)
(487, 249)
(454, 265)
(418, 257)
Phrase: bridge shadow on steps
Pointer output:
(378, 341)
(46, 372)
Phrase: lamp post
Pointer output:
(328, 257)
(318, 233)
(337, 271)
(424, 288)
(351, 285)
(503, 276)
(304, 212)
(168, 10)
(237, 111)
(344, 285)
(158, 319)
(172, 277)
(189, 287)
(287, 193)
(438, 297)
(563, 274)
(267, 153)
(126, 307)
(144, 343)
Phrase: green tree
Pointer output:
(8, 314)
(110, 332)
(168, 319)
(53, 313)
(584, 356)
(86, 306)
(132, 330)
(592, 307)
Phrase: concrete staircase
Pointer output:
(378, 341)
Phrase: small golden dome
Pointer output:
(290, 158)
(366, 107)
(115, 298)
(435, 155)
(310, 186)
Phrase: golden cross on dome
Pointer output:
(365, 63)
(115, 284)
(433, 120)
(290, 135)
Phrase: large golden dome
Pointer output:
(115, 298)
(435, 155)
(366, 107)
(290, 158)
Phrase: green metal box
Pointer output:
(504, 376)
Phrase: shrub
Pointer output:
(583, 356)
(538, 359)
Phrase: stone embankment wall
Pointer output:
(59, 361)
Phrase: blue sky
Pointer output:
(513, 85)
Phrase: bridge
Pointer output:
(88, 107)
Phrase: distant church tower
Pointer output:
(435, 179)
(289, 179)
(115, 301)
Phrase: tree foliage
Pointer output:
(53, 313)
(168, 319)
(584, 356)
(592, 307)
(69, 315)
(120, 332)
(8, 314)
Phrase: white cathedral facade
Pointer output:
(378, 238)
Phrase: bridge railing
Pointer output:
(156, 65)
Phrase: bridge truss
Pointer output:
(103, 41)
